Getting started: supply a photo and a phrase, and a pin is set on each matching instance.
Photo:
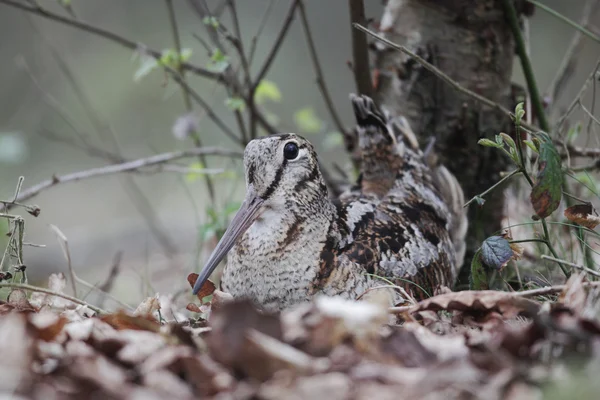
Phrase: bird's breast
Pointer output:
(276, 260)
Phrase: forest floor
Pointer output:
(542, 343)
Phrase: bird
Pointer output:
(400, 225)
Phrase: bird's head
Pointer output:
(280, 170)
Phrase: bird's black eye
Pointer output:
(290, 151)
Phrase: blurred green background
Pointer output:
(98, 216)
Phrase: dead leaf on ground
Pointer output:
(206, 290)
(583, 214)
(507, 304)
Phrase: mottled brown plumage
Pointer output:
(290, 242)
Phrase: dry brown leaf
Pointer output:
(147, 308)
(206, 290)
(193, 308)
(507, 304)
(56, 283)
(17, 301)
(47, 325)
(583, 214)
(121, 320)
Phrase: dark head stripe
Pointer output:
(275, 182)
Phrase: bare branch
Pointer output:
(568, 61)
(107, 35)
(443, 76)
(320, 79)
(276, 46)
(360, 50)
(125, 167)
(31, 288)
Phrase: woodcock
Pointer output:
(402, 221)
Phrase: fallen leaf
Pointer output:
(121, 321)
(508, 304)
(193, 308)
(147, 308)
(546, 193)
(583, 214)
(206, 290)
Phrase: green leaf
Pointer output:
(531, 145)
(573, 133)
(219, 62)
(496, 252)
(211, 21)
(186, 54)
(147, 65)
(479, 279)
(307, 120)
(508, 140)
(192, 176)
(488, 143)
(333, 140)
(267, 90)
(235, 104)
(546, 193)
(519, 113)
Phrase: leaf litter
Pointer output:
(468, 345)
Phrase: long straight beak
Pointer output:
(246, 215)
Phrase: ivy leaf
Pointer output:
(547, 192)
(496, 252)
(235, 103)
(479, 279)
(267, 90)
(307, 120)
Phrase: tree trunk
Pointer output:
(471, 42)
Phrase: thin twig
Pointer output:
(443, 76)
(544, 291)
(574, 24)
(577, 100)
(31, 288)
(267, 65)
(495, 185)
(536, 100)
(569, 59)
(317, 66)
(125, 167)
(360, 50)
(287, 22)
(107, 35)
(185, 89)
(570, 264)
(261, 27)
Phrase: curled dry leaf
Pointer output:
(56, 283)
(206, 290)
(505, 303)
(583, 214)
(148, 307)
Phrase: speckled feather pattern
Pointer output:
(393, 223)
